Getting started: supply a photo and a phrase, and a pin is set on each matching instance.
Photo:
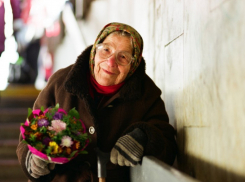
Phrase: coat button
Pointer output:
(91, 130)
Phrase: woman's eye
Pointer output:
(123, 57)
(107, 50)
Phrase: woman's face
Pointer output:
(107, 72)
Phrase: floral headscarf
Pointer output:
(136, 39)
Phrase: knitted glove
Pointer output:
(37, 167)
(129, 148)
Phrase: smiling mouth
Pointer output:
(110, 73)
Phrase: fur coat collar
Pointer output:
(77, 79)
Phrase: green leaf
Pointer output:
(39, 146)
(73, 153)
(58, 137)
(32, 138)
(43, 129)
(83, 152)
(42, 109)
(29, 112)
(74, 113)
(83, 136)
(33, 121)
(66, 119)
(49, 116)
(48, 151)
(57, 106)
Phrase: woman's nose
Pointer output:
(111, 61)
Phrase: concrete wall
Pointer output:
(194, 52)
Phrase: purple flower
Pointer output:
(58, 116)
(46, 141)
(42, 122)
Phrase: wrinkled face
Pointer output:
(107, 72)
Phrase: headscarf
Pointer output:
(136, 39)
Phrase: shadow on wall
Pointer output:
(203, 170)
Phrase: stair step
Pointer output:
(8, 149)
(9, 130)
(13, 115)
(20, 91)
(17, 102)
(18, 95)
(12, 111)
(8, 143)
(9, 162)
(11, 170)
(14, 104)
(14, 180)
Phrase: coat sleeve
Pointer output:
(46, 98)
(161, 141)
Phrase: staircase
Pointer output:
(14, 102)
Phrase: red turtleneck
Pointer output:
(103, 90)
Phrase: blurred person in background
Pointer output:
(10, 24)
(39, 37)
(119, 104)
(16, 11)
(28, 39)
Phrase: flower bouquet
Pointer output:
(55, 135)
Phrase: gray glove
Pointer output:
(129, 148)
(37, 167)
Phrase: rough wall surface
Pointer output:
(195, 53)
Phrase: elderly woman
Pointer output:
(119, 104)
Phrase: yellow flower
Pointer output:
(54, 147)
(34, 126)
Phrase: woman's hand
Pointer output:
(129, 148)
(37, 167)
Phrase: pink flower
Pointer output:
(57, 126)
(66, 141)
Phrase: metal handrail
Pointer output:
(154, 170)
